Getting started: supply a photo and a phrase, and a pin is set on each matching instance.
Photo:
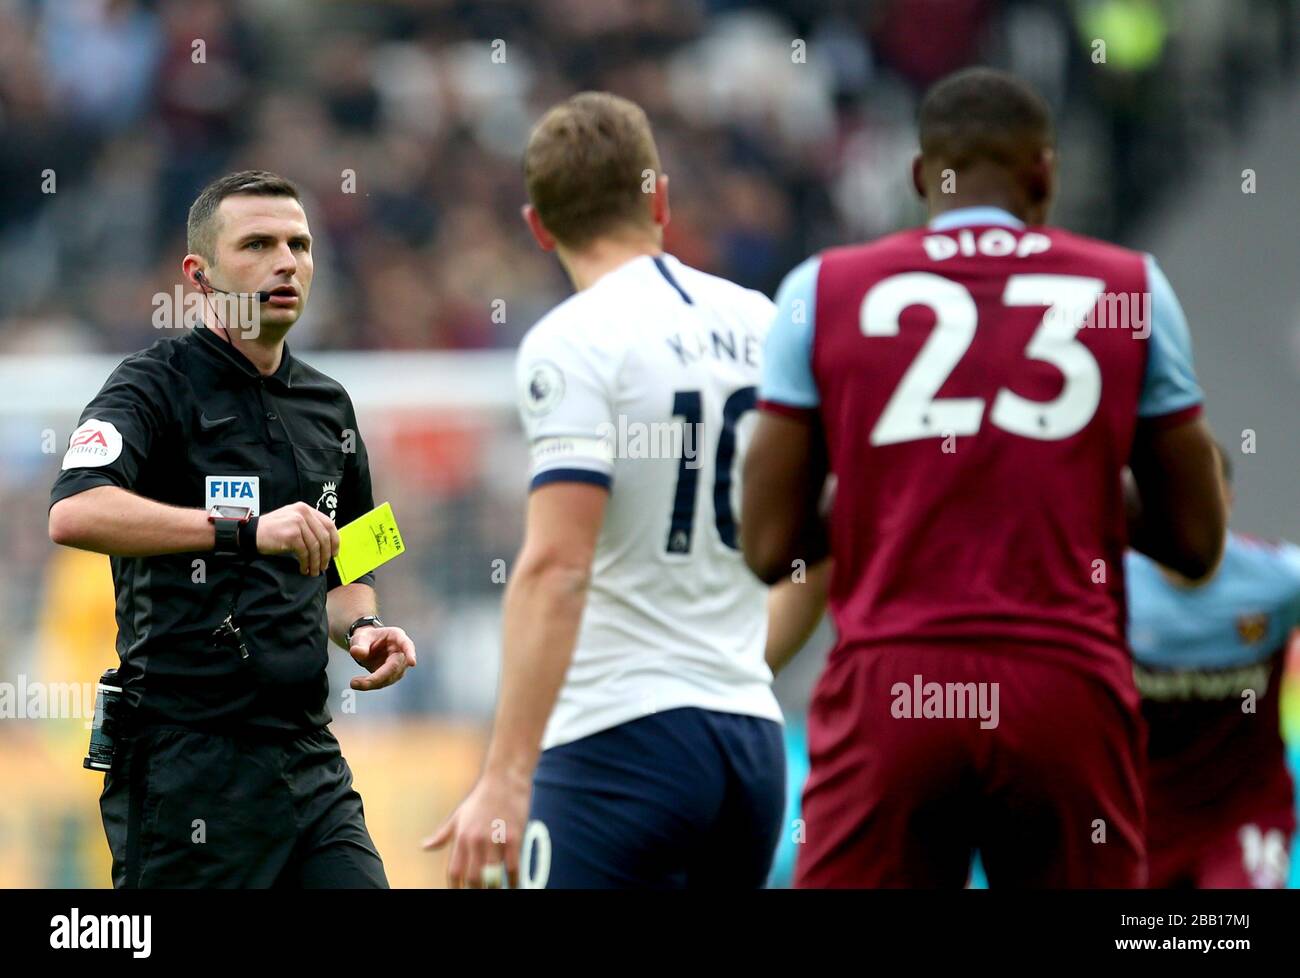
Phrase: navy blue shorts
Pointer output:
(682, 798)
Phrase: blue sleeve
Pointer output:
(787, 357)
(1170, 383)
(1289, 559)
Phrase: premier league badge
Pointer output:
(328, 503)
(545, 387)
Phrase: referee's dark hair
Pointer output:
(981, 114)
(200, 229)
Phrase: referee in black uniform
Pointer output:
(213, 469)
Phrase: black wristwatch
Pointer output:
(363, 620)
(236, 531)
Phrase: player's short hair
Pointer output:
(982, 114)
(201, 228)
(586, 167)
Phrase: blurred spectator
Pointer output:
(100, 58)
(785, 126)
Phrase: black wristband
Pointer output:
(248, 538)
(225, 537)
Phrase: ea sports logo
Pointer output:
(328, 503)
(93, 444)
(89, 437)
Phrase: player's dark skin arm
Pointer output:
(1177, 512)
(794, 610)
(785, 471)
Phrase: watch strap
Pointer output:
(226, 543)
(248, 538)
(363, 620)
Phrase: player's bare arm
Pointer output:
(542, 610)
(1179, 514)
(794, 610)
(785, 470)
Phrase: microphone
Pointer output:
(261, 296)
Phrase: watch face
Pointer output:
(231, 512)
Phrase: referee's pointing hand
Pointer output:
(387, 652)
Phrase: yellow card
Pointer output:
(367, 542)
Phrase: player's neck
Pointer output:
(588, 265)
(1013, 203)
(1181, 582)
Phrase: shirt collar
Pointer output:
(963, 216)
(222, 348)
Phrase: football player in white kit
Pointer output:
(635, 719)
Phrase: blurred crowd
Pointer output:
(785, 126)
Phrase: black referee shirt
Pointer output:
(180, 422)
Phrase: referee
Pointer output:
(212, 469)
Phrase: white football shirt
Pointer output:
(646, 383)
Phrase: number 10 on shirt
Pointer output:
(689, 406)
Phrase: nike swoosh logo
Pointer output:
(209, 425)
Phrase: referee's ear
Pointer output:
(192, 269)
(545, 240)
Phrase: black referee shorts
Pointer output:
(184, 808)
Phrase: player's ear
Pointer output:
(918, 175)
(1042, 177)
(545, 240)
(659, 211)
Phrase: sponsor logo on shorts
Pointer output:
(1193, 684)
